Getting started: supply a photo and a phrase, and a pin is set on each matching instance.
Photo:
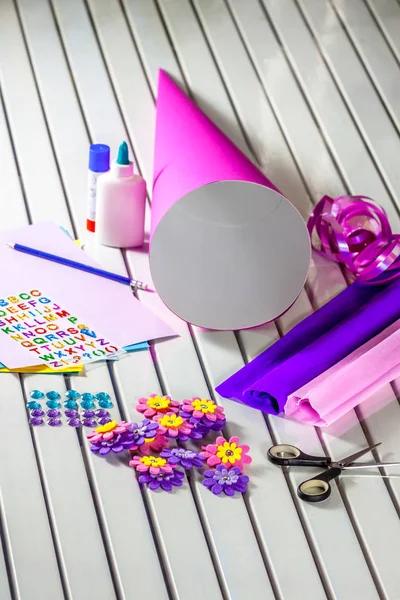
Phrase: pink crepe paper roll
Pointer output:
(328, 397)
(227, 250)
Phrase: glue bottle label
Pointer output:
(92, 195)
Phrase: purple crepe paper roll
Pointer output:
(250, 384)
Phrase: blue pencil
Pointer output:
(134, 283)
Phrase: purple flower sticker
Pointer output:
(145, 429)
(165, 481)
(224, 480)
(203, 426)
(199, 431)
(123, 441)
(180, 456)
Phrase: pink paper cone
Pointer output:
(227, 251)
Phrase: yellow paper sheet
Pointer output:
(43, 370)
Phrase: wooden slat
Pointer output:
(387, 15)
(220, 108)
(374, 52)
(356, 88)
(27, 117)
(10, 187)
(299, 124)
(328, 105)
(58, 98)
(128, 80)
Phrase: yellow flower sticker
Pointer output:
(205, 406)
(229, 453)
(171, 421)
(159, 403)
(153, 461)
(107, 427)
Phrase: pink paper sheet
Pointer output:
(98, 302)
(355, 378)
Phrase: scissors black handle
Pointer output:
(290, 456)
(318, 488)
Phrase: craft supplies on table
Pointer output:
(318, 488)
(346, 384)
(277, 381)
(121, 202)
(218, 224)
(158, 464)
(99, 162)
(355, 231)
(108, 313)
(336, 311)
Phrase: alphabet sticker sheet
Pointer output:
(46, 333)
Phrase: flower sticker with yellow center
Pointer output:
(204, 406)
(229, 453)
(158, 402)
(153, 464)
(107, 427)
(171, 421)
(153, 461)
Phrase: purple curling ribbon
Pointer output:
(355, 231)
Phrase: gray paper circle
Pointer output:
(230, 255)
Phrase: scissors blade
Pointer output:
(348, 460)
(372, 464)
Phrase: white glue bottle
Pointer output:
(121, 202)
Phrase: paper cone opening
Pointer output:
(230, 255)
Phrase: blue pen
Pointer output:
(134, 283)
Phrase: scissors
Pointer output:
(318, 488)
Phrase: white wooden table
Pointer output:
(310, 90)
